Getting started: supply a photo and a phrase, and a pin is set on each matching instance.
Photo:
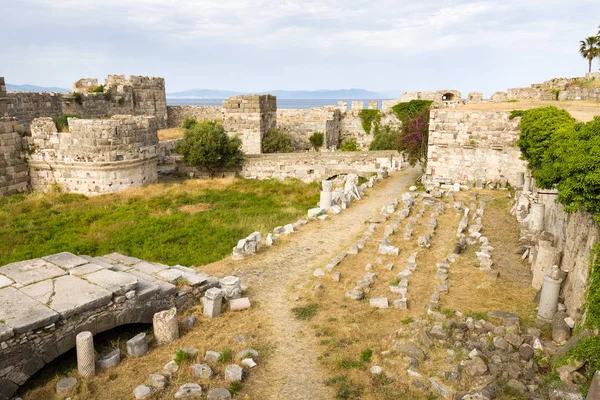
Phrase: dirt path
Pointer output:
(293, 371)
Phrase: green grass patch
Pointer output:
(181, 357)
(150, 225)
(366, 355)
(307, 312)
(226, 355)
(347, 363)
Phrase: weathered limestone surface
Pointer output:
(466, 146)
(43, 305)
(250, 117)
(177, 114)
(96, 156)
(301, 124)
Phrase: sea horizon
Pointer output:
(281, 103)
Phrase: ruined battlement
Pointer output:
(250, 117)
(96, 156)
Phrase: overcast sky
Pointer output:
(259, 45)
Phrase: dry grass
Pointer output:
(170, 134)
(195, 208)
(581, 110)
(345, 328)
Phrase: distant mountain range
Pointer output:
(342, 94)
(345, 94)
(33, 88)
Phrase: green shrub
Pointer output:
(61, 122)
(78, 98)
(277, 141)
(410, 108)
(349, 145)
(97, 89)
(188, 123)
(206, 145)
(537, 127)
(386, 138)
(370, 119)
(316, 140)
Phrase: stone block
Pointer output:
(65, 260)
(73, 295)
(65, 385)
(233, 373)
(239, 304)
(30, 271)
(166, 327)
(109, 360)
(116, 282)
(22, 313)
(137, 346)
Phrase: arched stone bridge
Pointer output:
(46, 302)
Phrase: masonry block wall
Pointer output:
(301, 124)
(466, 146)
(250, 117)
(138, 95)
(177, 114)
(96, 156)
(14, 173)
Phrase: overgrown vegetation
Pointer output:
(157, 223)
(62, 123)
(277, 141)
(188, 123)
(78, 97)
(411, 108)
(181, 357)
(316, 140)
(370, 119)
(205, 144)
(349, 145)
(97, 89)
(386, 138)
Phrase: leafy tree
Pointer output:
(316, 140)
(415, 136)
(411, 108)
(205, 144)
(590, 49)
(277, 141)
(349, 145)
(386, 138)
(537, 127)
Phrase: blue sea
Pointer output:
(281, 103)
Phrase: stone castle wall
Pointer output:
(137, 95)
(466, 146)
(301, 124)
(177, 114)
(14, 172)
(96, 156)
(250, 117)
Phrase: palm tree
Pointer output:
(590, 49)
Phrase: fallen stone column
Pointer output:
(86, 364)
(326, 195)
(549, 297)
(547, 256)
(166, 328)
(520, 180)
(536, 224)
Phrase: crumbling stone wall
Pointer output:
(14, 173)
(466, 146)
(307, 166)
(301, 124)
(351, 126)
(250, 117)
(177, 114)
(96, 156)
(579, 93)
(138, 95)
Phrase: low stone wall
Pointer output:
(466, 146)
(579, 93)
(308, 167)
(46, 302)
(96, 156)
(177, 114)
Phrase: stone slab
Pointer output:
(85, 269)
(65, 260)
(73, 295)
(101, 261)
(120, 258)
(22, 313)
(145, 289)
(118, 283)
(149, 268)
(30, 271)
(41, 291)
(170, 275)
(4, 281)
(166, 289)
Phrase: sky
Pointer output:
(261, 45)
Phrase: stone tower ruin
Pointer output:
(250, 116)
